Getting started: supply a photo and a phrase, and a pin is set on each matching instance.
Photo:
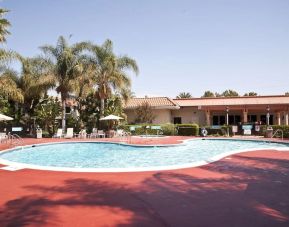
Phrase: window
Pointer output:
(234, 119)
(264, 119)
(215, 120)
(68, 110)
(177, 120)
(221, 119)
(252, 118)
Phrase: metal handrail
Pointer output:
(278, 130)
(15, 139)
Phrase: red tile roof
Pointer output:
(245, 100)
(154, 102)
(167, 103)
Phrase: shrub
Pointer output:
(140, 129)
(188, 129)
(169, 129)
(284, 128)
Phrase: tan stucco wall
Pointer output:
(190, 115)
(161, 116)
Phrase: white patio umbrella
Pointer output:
(5, 118)
(111, 117)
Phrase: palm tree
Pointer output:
(35, 80)
(251, 93)
(184, 95)
(8, 85)
(4, 25)
(230, 93)
(66, 60)
(208, 94)
(111, 71)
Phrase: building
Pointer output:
(214, 111)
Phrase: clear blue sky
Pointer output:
(179, 45)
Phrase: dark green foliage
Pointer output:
(252, 93)
(208, 94)
(188, 129)
(230, 93)
(184, 95)
(167, 129)
(284, 128)
(46, 111)
(141, 129)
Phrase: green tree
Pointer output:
(111, 71)
(286, 93)
(4, 25)
(46, 111)
(67, 67)
(252, 93)
(208, 94)
(184, 95)
(230, 93)
(9, 89)
(35, 80)
(144, 113)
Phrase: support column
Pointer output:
(286, 118)
(245, 115)
(278, 115)
(208, 117)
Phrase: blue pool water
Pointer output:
(107, 155)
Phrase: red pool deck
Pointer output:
(247, 189)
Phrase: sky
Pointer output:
(179, 45)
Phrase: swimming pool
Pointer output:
(114, 157)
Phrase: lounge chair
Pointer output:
(58, 134)
(100, 133)
(82, 134)
(69, 133)
(119, 132)
(3, 137)
(93, 134)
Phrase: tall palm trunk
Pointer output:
(63, 112)
(102, 107)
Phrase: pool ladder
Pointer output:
(278, 131)
(15, 140)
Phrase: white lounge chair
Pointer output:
(100, 133)
(93, 134)
(59, 133)
(3, 137)
(119, 132)
(69, 133)
(82, 134)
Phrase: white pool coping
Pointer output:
(12, 166)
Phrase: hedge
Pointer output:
(284, 128)
(167, 129)
(194, 130)
(187, 129)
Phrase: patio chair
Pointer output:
(58, 134)
(3, 137)
(119, 132)
(69, 133)
(101, 133)
(93, 134)
(82, 134)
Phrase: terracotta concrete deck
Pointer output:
(248, 189)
